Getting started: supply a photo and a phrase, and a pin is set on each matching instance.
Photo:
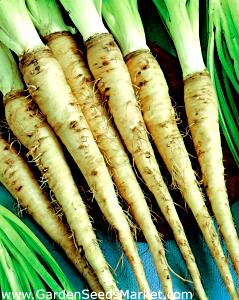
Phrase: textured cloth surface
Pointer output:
(211, 279)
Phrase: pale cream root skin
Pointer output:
(159, 116)
(20, 182)
(48, 87)
(65, 49)
(107, 66)
(34, 133)
(202, 113)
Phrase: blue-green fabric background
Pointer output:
(211, 279)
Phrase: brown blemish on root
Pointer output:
(195, 76)
(147, 170)
(73, 124)
(98, 37)
(135, 53)
(145, 67)
(105, 62)
(9, 162)
(79, 75)
(143, 83)
(34, 56)
(37, 69)
(112, 44)
(18, 189)
(56, 35)
(14, 95)
(82, 146)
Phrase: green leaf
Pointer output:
(228, 127)
(3, 279)
(47, 17)
(34, 243)
(31, 274)
(32, 277)
(227, 66)
(22, 277)
(8, 269)
(29, 255)
(124, 22)
(4, 284)
(222, 70)
(230, 34)
(231, 102)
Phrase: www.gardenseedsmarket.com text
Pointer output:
(87, 294)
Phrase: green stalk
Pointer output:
(23, 263)
(186, 43)
(10, 78)
(31, 274)
(220, 40)
(2, 277)
(231, 102)
(17, 31)
(29, 245)
(46, 258)
(227, 67)
(192, 7)
(211, 40)
(28, 236)
(46, 16)
(233, 6)
(7, 266)
(28, 254)
(229, 32)
(98, 5)
(193, 14)
(223, 119)
(125, 23)
(230, 70)
(4, 284)
(21, 274)
(85, 17)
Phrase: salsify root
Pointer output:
(48, 87)
(108, 67)
(202, 113)
(16, 176)
(66, 51)
(159, 116)
(29, 126)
